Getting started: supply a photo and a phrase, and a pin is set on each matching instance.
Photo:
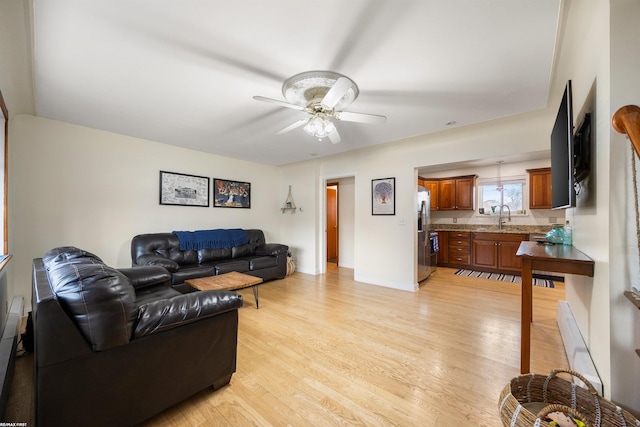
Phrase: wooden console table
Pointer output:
(536, 256)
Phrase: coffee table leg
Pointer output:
(255, 294)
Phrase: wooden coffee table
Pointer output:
(227, 282)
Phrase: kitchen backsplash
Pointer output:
(535, 217)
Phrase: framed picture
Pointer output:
(231, 194)
(183, 190)
(383, 196)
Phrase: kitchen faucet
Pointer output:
(500, 220)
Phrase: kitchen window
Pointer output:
(490, 199)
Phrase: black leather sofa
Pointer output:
(115, 347)
(256, 257)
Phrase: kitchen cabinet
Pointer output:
(497, 251)
(432, 186)
(539, 188)
(443, 245)
(457, 193)
(459, 249)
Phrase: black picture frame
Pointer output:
(231, 194)
(383, 196)
(180, 189)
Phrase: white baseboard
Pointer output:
(575, 347)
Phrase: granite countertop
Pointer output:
(490, 228)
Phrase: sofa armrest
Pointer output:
(158, 260)
(143, 276)
(272, 249)
(163, 314)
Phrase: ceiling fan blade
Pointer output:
(280, 103)
(350, 116)
(292, 126)
(337, 91)
(334, 137)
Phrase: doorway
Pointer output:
(333, 234)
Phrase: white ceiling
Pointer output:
(184, 72)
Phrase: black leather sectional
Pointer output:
(256, 257)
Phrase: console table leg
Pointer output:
(526, 308)
(255, 294)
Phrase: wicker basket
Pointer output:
(526, 393)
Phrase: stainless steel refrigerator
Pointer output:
(427, 238)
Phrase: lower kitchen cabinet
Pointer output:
(459, 249)
(497, 251)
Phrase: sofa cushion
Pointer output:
(192, 272)
(243, 251)
(160, 261)
(99, 299)
(209, 255)
(262, 262)
(240, 265)
(163, 244)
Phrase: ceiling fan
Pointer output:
(322, 95)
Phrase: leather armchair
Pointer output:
(111, 345)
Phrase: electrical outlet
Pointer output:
(455, 220)
(402, 221)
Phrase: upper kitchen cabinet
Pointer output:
(432, 186)
(457, 193)
(539, 188)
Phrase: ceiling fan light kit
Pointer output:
(319, 126)
(322, 95)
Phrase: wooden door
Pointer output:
(332, 223)
(507, 256)
(485, 253)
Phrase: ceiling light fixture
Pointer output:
(319, 126)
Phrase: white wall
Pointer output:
(71, 185)
(346, 221)
(625, 318)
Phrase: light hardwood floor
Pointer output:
(327, 350)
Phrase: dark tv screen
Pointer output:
(562, 180)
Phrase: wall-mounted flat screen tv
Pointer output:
(562, 180)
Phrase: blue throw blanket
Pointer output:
(211, 239)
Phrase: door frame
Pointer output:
(337, 185)
(321, 254)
